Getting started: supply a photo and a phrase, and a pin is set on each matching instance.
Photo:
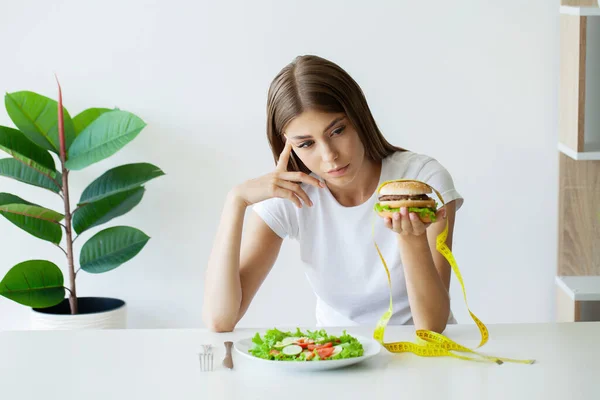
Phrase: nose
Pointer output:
(329, 153)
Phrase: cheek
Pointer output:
(353, 146)
(307, 159)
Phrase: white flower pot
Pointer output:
(94, 313)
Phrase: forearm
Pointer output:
(427, 294)
(222, 287)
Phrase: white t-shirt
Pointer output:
(337, 250)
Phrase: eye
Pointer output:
(338, 131)
(306, 144)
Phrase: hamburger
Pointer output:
(413, 195)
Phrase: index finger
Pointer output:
(284, 157)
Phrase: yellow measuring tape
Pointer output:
(433, 344)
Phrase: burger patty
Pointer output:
(404, 197)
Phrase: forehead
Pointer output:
(311, 123)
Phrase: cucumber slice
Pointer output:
(292, 350)
(289, 340)
(279, 345)
(337, 350)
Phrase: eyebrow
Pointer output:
(331, 124)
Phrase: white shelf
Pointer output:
(589, 155)
(581, 11)
(580, 288)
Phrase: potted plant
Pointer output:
(45, 131)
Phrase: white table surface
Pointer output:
(163, 364)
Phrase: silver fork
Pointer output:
(206, 358)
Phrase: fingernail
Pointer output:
(413, 216)
(321, 183)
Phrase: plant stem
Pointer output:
(65, 188)
(61, 249)
(69, 234)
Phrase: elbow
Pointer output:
(437, 323)
(433, 326)
(219, 324)
(220, 327)
(437, 328)
(442, 323)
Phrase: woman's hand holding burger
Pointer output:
(407, 209)
(405, 223)
(279, 183)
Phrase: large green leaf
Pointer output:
(12, 168)
(34, 283)
(37, 117)
(102, 211)
(38, 221)
(109, 133)
(32, 211)
(110, 248)
(118, 180)
(86, 117)
(16, 144)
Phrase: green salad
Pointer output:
(304, 346)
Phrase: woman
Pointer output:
(330, 158)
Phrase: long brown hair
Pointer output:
(314, 83)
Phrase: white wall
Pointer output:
(471, 83)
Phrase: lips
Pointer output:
(338, 171)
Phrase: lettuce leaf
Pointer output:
(419, 210)
(351, 347)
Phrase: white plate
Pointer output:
(371, 348)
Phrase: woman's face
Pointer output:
(328, 145)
